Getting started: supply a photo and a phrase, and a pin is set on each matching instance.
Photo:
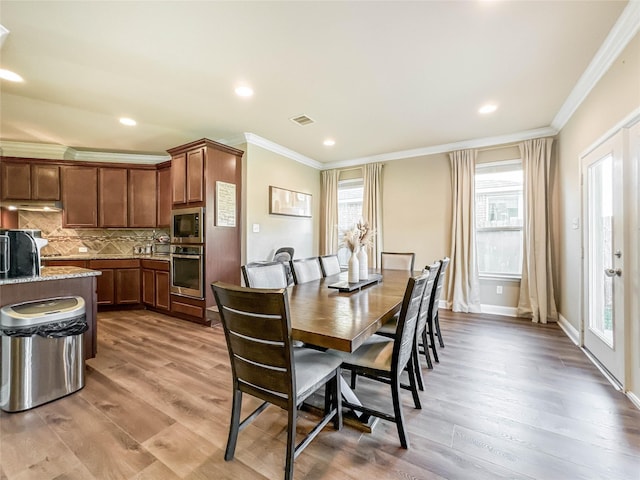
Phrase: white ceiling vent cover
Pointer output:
(302, 120)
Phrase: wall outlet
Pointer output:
(499, 289)
(256, 228)
(83, 249)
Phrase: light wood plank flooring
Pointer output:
(509, 399)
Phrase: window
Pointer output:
(499, 218)
(350, 194)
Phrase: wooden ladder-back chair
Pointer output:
(384, 359)
(257, 329)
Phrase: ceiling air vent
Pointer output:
(302, 120)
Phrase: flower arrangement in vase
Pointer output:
(358, 240)
(351, 240)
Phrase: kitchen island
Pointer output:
(57, 282)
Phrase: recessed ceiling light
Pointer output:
(244, 91)
(11, 76)
(129, 122)
(329, 142)
(488, 108)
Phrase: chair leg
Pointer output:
(397, 411)
(418, 374)
(440, 340)
(413, 384)
(291, 443)
(234, 427)
(432, 342)
(425, 343)
(337, 399)
(354, 376)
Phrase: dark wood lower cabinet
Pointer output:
(127, 285)
(105, 285)
(119, 283)
(155, 284)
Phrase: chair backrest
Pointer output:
(423, 315)
(330, 265)
(265, 275)
(306, 270)
(435, 298)
(288, 250)
(258, 331)
(407, 322)
(397, 261)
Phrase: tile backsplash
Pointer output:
(67, 241)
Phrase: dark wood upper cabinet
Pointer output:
(16, 181)
(112, 197)
(195, 176)
(179, 178)
(80, 197)
(45, 182)
(142, 198)
(164, 197)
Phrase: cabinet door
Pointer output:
(127, 286)
(8, 218)
(148, 287)
(195, 175)
(164, 197)
(112, 197)
(16, 181)
(45, 182)
(179, 178)
(142, 198)
(80, 197)
(162, 290)
(105, 287)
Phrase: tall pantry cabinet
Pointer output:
(204, 173)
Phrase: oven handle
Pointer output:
(173, 255)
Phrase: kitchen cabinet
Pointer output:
(164, 196)
(8, 218)
(187, 172)
(119, 283)
(79, 197)
(155, 284)
(30, 181)
(112, 197)
(142, 198)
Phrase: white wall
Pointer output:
(263, 168)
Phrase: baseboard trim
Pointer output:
(499, 310)
(569, 330)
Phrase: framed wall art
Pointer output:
(289, 202)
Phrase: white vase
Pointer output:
(363, 261)
(354, 268)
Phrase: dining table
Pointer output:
(326, 316)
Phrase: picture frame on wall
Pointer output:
(289, 202)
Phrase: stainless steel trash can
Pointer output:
(42, 351)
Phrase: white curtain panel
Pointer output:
(329, 212)
(463, 292)
(537, 298)
(372, 208)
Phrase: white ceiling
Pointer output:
(378, 77)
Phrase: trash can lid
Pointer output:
(41, 311)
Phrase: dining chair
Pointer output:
(285, 255)
(257, 329)
(330, 265)
(306, 270)
(442, 273)
(397, 261)
(384, 359)
(389, 329)
(265, 275)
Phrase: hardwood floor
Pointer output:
(509, 399)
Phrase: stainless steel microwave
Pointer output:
(187, 225)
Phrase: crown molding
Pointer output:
(619, 37)
(446, 148)
(35, 150)
(254, 139)
(108, 157)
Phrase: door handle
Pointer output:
(610, 272)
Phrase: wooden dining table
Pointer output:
(327, 317)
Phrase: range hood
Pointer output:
(33, 205)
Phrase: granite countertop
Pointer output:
(108, 256)
(54, 273)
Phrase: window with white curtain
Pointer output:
(350, 195)
(499, 218)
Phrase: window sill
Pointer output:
(501, 277)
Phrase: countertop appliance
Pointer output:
(20, 253)
(187, 225)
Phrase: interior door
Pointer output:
(603, 321)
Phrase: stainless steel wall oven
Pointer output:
(187, 270)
